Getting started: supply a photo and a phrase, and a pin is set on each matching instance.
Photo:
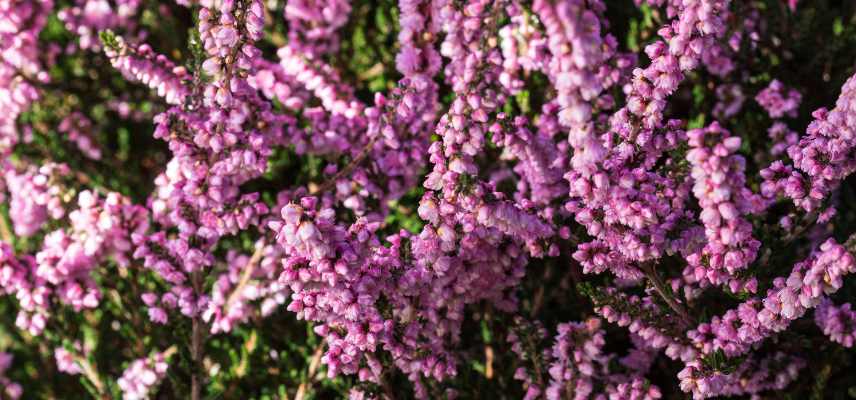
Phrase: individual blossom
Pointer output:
(157, 313)
(792, 4)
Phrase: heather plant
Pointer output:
(430, 199)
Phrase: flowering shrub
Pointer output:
(547, 199)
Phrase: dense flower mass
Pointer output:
(378, 199)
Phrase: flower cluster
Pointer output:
(36, 195)
(579, 67)
(249, 279)
(228, 29)
(578, 368)
(20, 68)
(719, 186)
(144, 374)
(782, 138)
(86, 18)
(837, 322)
(314, 25)
(65, 361)
(645, 319)
(754, 375)
(752, 321)
(79, 130)
(778, 100)
(143, 65)
(101, 228)
(823, 157)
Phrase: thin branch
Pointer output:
(488, 361)
(536, 359)
(169, 351)
(5, 232)
(249, 269)
(660, 288)
(314, 363)
(387, 389)
(347, 170)
(91, 374)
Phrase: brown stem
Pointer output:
(310, 375)
(5, 232)
(169, 352)
(488, 361)
(387, 389)
(249, 269)
(91, 374)
(806, 223)
(538, 299)
(536, 360)
(232, 58)
(660, 288)
(348, 168)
